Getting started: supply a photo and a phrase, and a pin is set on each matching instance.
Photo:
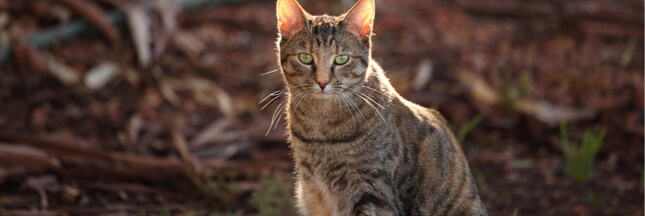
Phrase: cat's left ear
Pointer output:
(291, 17)
(360, 18)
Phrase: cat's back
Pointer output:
(434, 172)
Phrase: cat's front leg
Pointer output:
(371, 205)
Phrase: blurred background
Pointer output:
(115, 107)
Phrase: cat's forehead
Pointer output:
(324, 24)
(321, 20)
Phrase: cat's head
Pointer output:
(324, 55)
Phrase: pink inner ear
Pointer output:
(291, 17)
(361, 17)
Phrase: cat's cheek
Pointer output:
(352, 72)
(293, 70)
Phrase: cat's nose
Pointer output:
(322, 83)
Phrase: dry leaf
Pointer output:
(70, 193)
(64, 74)
(424, 74)
(226, 151)
(131, 76)
(206, 93)
(46, 182)
(481, 91)
(140, 29)
(4, 19)
(134, 128)
(168, 93)
(541, 110)
(180, 145)
(551, 114)
(188, 43)
(100, 75)
(168, 13)
(215, 133)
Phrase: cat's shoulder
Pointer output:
(437, 115)
(423, 113)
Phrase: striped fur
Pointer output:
(359, 147)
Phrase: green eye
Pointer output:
(305, 58)
(341, 59)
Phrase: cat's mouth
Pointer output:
(323, 94)
(328, 93)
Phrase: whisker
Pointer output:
(349, 108)
(377, 91)
(353, 104)
(279, 118)
(275, 93)
(275, 113)
(302, 95)
(279, 112)
(379, 96)
(302, 98)
(270, 72)
(368, 97)
(373, 107)
(271, 101)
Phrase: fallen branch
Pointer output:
(14, 158)
(92, 163)
(85, 163)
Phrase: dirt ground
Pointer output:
(87, 127)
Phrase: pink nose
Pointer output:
(322, 83)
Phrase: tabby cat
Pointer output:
(359, 147)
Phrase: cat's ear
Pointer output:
(360, 18)
(291, 17)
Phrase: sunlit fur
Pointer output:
(359, 147)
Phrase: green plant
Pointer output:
(273, 198)
(165, 212)
(482, 184)
(216, 183)
(579, 158)
(469, 126)
(226, 214)
(594, 198)
(514, 90)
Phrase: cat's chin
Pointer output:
(323, 95)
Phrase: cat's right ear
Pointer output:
(291, 17)
(360, 18)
